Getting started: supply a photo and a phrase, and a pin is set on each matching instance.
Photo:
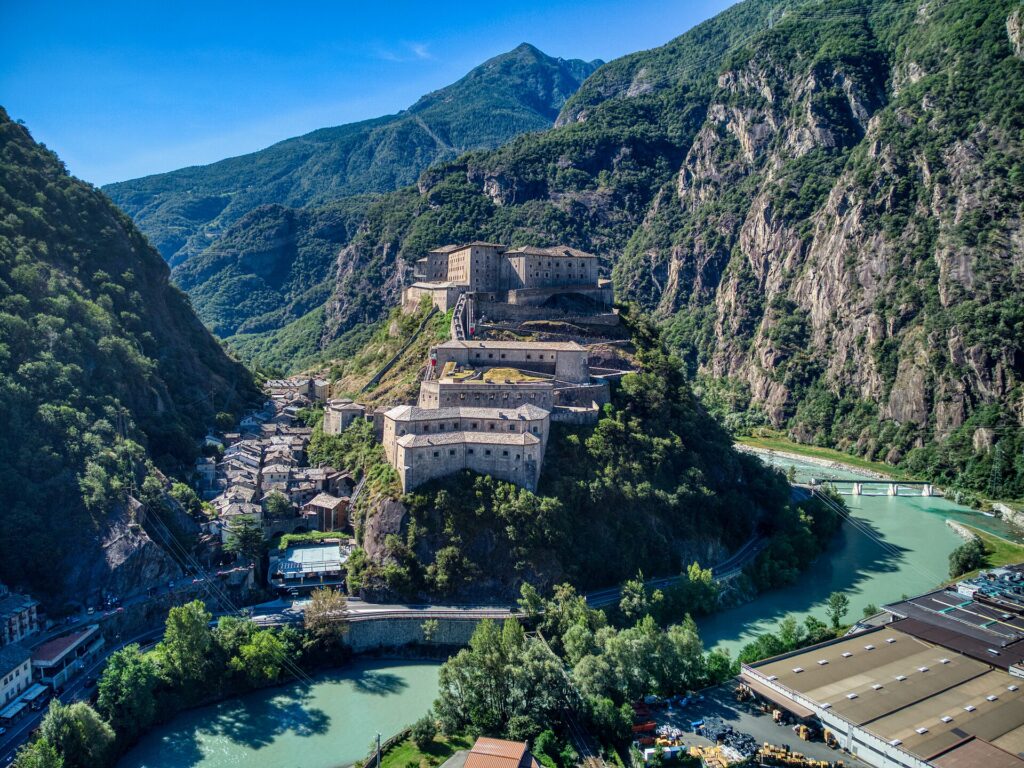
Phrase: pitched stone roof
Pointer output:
(468, 438)
(12, 656)
(325, 500)
(540, 346)
(527, 412)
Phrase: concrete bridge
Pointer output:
(892, 487)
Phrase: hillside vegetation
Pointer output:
(104, 372)
(822, 201)
(656, 484)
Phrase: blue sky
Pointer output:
(122, 89)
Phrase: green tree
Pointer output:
(837, 608)
(636, 600)
(79, 734)
(245, 539)
(126, 696)
(530, 601)
(184, 652)
(968, 557)
(38, 754)
(277, 506)
(501, 681)
(225, 422)
(261, 657)
(430, 628)
(870, 610)
(423, 731)
(326, 618)
(232, 632)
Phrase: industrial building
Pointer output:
(938, 685)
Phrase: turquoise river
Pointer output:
(893, 546)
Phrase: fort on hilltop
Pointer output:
(487, 404)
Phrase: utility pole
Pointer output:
(378, 750)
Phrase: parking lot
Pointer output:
(745, 717)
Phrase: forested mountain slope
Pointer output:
(104, 372)
(823, 199)
(183, 211)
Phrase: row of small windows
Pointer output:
(490, 356)
(472, 451)
(472, 425)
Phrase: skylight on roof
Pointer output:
(922, 730)
(970, 708)
(773, 677)
(991, 697)
(877, 687)
(1012, 688)
(922, 669)
(895, 743)
(798, 670)
(822, 662)
(869, 647)
(946, 719)
(847, 654)
(901, 678)
(943, 661)
(851, 695)
(826, 705)
(890, 640)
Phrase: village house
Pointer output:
(19, 616)
(493, 753)
(56, 661)
(340, 413)
(15, 672)
(328, 513)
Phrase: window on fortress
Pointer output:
(529, 356)
(504, 453)
(535, 430)
(469, 451)
(472, 425)
(490, 356)
(487, 452)
(451, 451)
(502, 355)
(517, 457)
(436, 454)
(511, 427)
(491, 426)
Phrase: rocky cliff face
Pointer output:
(821, 201)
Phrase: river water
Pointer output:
(897, 545)
(323, 725)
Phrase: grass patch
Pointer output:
(500, 375)
(311, 537)
(406, 753)
(998, 551)
(828, 454)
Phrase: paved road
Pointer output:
(292, 611)
(77, 690)
(727, 569)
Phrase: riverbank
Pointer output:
(823, 457)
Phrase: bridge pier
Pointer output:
(893, 488)
(858, 489)
(926, 489)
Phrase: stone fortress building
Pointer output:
(516, 277)
(486, 405)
